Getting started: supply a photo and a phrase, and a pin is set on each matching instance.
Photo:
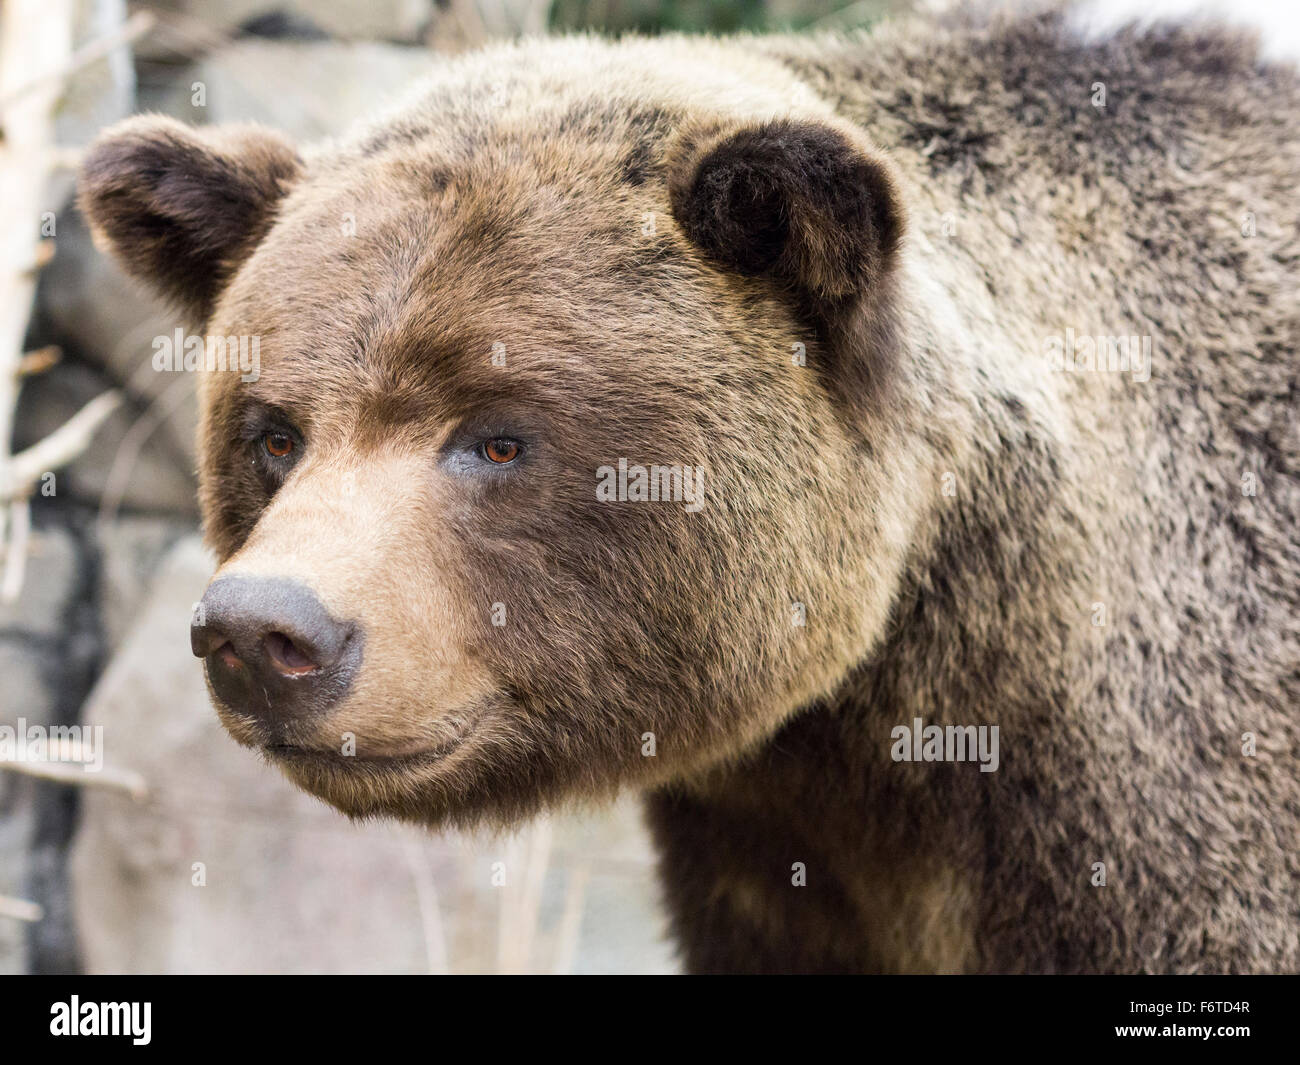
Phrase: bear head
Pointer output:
(566, 458)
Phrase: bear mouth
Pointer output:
(320, 758)
(321, 769)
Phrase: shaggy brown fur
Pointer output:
(654, 231)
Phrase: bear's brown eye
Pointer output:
(501, 450)
(277, 444)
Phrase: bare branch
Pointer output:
(20, 909)
(38, 361)
(75, 773)
(15, 553)
(60, 447)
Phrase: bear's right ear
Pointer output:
(181, 208)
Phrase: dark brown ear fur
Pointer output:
(799, 201)
(179, 207)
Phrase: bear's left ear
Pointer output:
(803, 202)
(181, 207)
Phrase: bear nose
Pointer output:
(271, 648)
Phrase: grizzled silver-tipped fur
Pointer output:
(875, 287)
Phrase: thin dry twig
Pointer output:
(40, 360)
(59, 448)
(75, 773)
(530, 902)
(566, 938)
(15, 545)
(521, 900)
(426, 894)
(20, 909)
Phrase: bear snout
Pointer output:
(271, 649)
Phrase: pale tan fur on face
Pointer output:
(360, 529)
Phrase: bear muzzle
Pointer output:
(272, 651)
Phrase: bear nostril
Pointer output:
(272, 651)
(286, 656)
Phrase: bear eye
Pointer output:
(501, 450)
(277, 444)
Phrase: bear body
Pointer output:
(990, 384)
(1110, 583)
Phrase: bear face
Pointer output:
(563, 260)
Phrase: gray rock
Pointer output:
(138, 459)
(53, 566)
(130, 551)
(27, 669)
(389, 20)
(15, 834)
(88, 306)
(305, 89)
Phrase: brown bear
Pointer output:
(882, 450)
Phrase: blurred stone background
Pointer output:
(222, 866)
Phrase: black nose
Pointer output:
(272, 650)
